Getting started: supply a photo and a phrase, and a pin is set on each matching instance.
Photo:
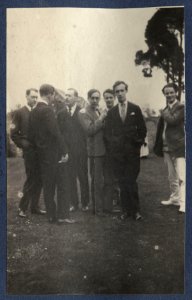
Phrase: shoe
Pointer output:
(22, 214)
(52, 220)
(38, 212)
(85, 208)
(72, 208)
(66, 221)
(124, 216)
(181, 210)
(170, 202)
(138, 216)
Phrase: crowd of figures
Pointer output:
(64, 140)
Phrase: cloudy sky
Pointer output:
(80, 48)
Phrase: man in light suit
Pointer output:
(19, 134)
(125, 132)
(75, 138)
(52, 153)
(92, 121)
(170, 143)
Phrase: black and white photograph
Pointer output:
(95, 130)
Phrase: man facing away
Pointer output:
(92, 121)
(75, 138)
(125, 132)
(170, 143)
(19, 134)
(111, 185)
(52, 155)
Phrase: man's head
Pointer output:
(71, 97)
(47, 92)
(170, 92)
(120, 89)
(32, 96)
(109, 98)
(94, 98)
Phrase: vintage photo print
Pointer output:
(96, 163)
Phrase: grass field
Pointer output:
(97, 255)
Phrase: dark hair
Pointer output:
(74, 91)
(46, 89)
(28, 91)
(108, 91)
(91, 92)
(170, 85)
(118, 83)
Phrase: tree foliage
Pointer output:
(164, 38)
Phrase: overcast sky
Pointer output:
(80, 48)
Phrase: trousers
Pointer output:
(177, 178)
(33, 184)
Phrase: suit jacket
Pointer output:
(174, 132)
(19, 128)
(124, 138)
(44, 132)
(93, 128)
(72, 131)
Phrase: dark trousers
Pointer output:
(97, 182)
(62, 184)
(78, 168)
(54, 176)
(127, 170)
(109, 184)
(32, 186)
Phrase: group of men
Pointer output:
(60, 139)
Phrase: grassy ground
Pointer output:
(97, 255)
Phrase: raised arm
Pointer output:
(90, 127)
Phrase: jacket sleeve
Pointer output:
(53, 128)
(108, 131)
(90, 127)
(158, 146)
(141, 128)
(15, 131)
(174, 117)
(61, 119)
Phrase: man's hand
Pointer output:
(103, 115)
(63, 159)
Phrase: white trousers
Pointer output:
(176, 175)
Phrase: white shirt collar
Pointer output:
(73, 108)
(124, 103)
(30, 108)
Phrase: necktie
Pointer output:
(123, 112)
(70, 112)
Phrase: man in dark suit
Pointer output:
(125, 132)
(46, 138)
(111, 185)
(76, 141)
(170, 143)
(19, 134)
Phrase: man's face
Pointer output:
(109, 100)
(32, 98)
(120, 92)
(70, 98)
(170, 94)
(94, 100)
